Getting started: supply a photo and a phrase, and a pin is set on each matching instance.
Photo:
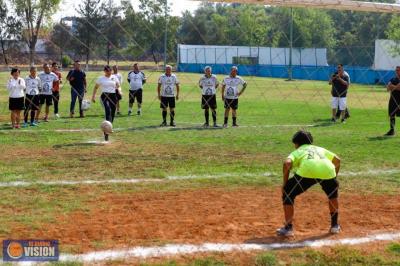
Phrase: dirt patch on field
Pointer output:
(245, 215)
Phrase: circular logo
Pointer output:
(15, 250)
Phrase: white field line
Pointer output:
(176, 177)
(185, 249)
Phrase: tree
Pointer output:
(60, 37)
(111, 27)
(88, 27)
(10, 28)
(33, 13)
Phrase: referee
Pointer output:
(394, 103)
(313, 165)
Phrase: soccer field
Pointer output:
(151, 186)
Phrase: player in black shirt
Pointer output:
(340, 85)
(394, 102)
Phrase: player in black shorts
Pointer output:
(394, 103)
(168, 89)
(209, 85)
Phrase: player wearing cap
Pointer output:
(230, 94)
(311, 165)
(209, 85)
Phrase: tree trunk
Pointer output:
(4, 51)
(32, 52)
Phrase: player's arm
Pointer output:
(344, 82)
(96, 87)
(200, 85)
(244, 87)
(144, 79)
(85, 83)
(118, 87)
(287, 166)
(159, 91)
(336, 163)
(177, 91)
(223, 91)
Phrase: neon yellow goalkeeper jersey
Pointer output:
(313, 162)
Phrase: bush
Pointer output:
(66, 61)
(266, 259)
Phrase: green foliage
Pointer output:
(394, 248)
(265, 259)
(66, 61)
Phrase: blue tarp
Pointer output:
(362, 75)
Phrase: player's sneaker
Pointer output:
(225, 125)
(343, 121)
(139, 112)
(335, 229)
(235, 125)
(333, 120)
(17, 126)
(172, 124)
(46, 119)
(129, 113)
(71, 115)
(206, 125)
(118, 113)
(25, 125)
(390, 133)
(215, 125)
(285, 231)
(33, 124)
(163, 124)
(56, 116)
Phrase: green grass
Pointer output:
(270, 111)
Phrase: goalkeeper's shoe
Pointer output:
(286, 231)
(335, 229)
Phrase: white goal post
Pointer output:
(323, 4)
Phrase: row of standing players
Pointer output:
(168, 90)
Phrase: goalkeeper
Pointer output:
(311, 165)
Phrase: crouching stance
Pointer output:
(311, 165)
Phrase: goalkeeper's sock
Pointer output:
(164, 115)
(334, 218)
(207, 116)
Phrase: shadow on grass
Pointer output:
(281, 239)
(169, 128)
(380, 138)
(323, 122)
(78, 144)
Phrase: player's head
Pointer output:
(107, 70)
(115, 69)
(208, 70)
(77, 65)
(54, 66)
(136, 67)
(168, 69)
(15, 72)
(46, 68)
(340, 68)
(32, 71)
(234, 71)
(302, 137)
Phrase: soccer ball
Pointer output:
(85, 105)
(106, 127)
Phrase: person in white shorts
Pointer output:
(340, 85)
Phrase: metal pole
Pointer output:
(166, 33)
(290, 72)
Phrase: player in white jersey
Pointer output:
(209, 85)
(168, 90)
(46, 96)
(232, 87)
(119, 77)
(32, 91)
(136, 79)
